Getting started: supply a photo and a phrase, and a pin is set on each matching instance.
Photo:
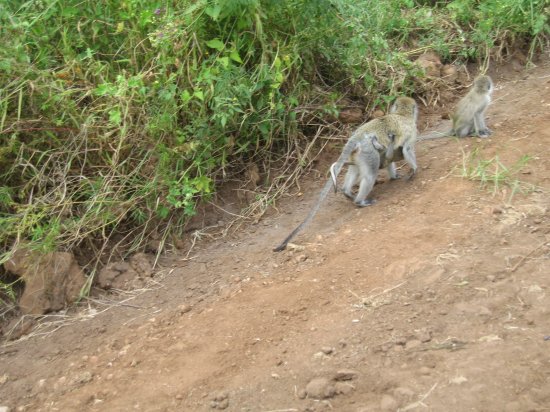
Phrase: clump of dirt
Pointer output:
(434, 298)
(52, 281)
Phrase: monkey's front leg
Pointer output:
(480, 128)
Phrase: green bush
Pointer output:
(117, 117)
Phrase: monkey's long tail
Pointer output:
(312, 213)
(436, 134)
(335, 170)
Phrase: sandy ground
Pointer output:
(434, 299)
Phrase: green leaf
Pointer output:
(115, 116)
(185, 96)
(234, 55)
(213, 12)
(199, 95)
(215, 44)
(224, 61)
(202, 183)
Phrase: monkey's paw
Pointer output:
(365, 203)
(485, 133)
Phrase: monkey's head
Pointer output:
(405, 106)
(483, 84)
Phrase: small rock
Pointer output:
(302, 394)
(343, 388)
(223, 404)
(81, 378)
(320, 356)
(300, 258)
(345, 375)
(4, 409)
(184, 308)
(496, 210)
(220, 396)
(458, 380)
(60, 383)
(388, 403)
(400, 340)
(327, 350)
(320, 388)
(424, 370)
(3, 379)
(424, 335)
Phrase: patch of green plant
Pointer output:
(493, 174)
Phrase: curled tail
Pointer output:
(334, 170)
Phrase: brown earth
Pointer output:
(436, 298)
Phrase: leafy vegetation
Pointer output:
(117, 117)
(494, 174)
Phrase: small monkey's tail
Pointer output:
(334, 170)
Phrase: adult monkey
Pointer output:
(375, 144)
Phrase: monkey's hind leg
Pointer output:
(410, 157)
(392, 171)
(368, 164)
(350, 180)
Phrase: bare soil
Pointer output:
(435, 298)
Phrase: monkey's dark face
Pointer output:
(484, 84)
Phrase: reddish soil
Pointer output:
(436, 298)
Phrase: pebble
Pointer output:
(300, 258)
(424, 335)
(327, 350)
(220, 400)
(343, 388)
(83, 377)
(184, 308)
(345, 375)
(320, 388)
(220, 396)
(424, 370)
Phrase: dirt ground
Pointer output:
(436, 298)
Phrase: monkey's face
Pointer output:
(484, 84)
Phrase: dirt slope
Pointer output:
(436, 298)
